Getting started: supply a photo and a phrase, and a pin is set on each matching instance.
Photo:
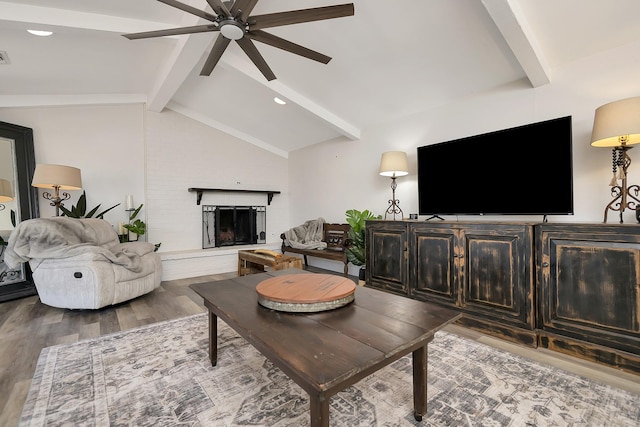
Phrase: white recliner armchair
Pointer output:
(81, 264)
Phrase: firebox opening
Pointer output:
(233, 225)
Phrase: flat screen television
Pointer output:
(525, 170)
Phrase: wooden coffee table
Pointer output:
(326, 352)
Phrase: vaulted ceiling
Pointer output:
(391, 59)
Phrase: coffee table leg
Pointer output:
(319, 408)
(213, 338)
(420, 383)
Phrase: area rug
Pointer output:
(160, 375)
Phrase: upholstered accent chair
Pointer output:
(81, 264)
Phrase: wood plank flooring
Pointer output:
(27, 326)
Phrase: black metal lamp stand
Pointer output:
(623, 197)
(394, 204)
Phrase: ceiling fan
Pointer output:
(234, 22)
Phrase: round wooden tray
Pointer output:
(305, 293)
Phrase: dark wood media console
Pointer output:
(572, 288)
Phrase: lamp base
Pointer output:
(623, 197)
(394, 209)
(55, 199)
(621, 201)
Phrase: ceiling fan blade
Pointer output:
(253, 54)
(244, 7)
(219, 7)
(275, 41)
(189, 9)
(172, 32)
(214, 56)
(258, 22)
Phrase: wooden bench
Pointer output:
(254, 261)
(335, 236)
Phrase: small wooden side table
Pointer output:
(250, 262)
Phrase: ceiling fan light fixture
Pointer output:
(233, 19)
(232, 30)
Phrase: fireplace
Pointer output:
(233, 225)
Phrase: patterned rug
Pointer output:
(160, 375)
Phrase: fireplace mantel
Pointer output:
(199, 191)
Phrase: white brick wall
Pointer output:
(182, 153)
(156, 157)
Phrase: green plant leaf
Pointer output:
(356, 219)
(101, 214)
(137, 227)
(91, 212)
(70, 213)
(135, 213)
(80, 210)
(81, 207)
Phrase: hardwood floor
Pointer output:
(27, 326)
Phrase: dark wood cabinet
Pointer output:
(435, 271)
(386, 266)
(589, 291)
(483, 269)
(572, 288)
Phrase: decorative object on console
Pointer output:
(6, 192)
(617, 125)
(394, 164)
(58, 177)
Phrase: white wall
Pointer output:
(122, 149)
(104, 142)
(576, 90)
(183, 153)
(156, 157)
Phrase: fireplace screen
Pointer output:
(233, 225)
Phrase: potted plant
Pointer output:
(80, 210)
(137, 227)
(356, 245)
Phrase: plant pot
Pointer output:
(361, 276)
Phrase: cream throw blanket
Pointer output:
(61, 237)
(306, 236)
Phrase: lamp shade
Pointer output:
(394, 163)
(614, 120)
(6, 191)
(51, 176)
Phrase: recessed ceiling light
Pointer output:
(279, 101)
(40, 33)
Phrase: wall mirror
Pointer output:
(17, 163)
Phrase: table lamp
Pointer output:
(59, 178)
(394, 164)
(6, 192)
(617, 125)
